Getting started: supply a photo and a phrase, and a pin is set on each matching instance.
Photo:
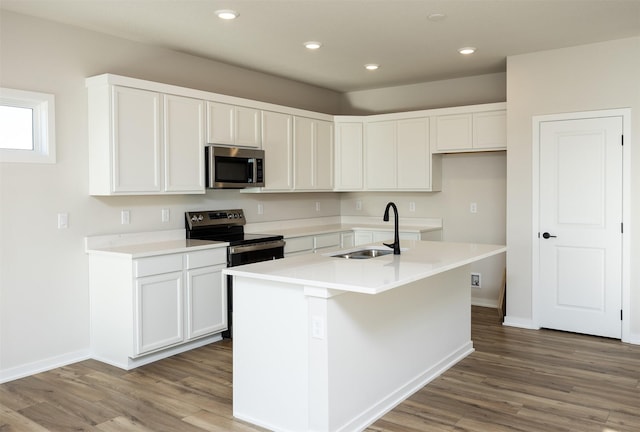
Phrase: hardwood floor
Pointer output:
(516, 380)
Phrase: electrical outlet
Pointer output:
(317, 206)
(473, 207)
(476, 280)
(165, 215)
(125, 217)
(63, 220)
(317, 327)
(359, 205)
(260, 209)
(412, 206)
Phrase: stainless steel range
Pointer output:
(228, 226)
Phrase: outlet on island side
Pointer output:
(476, 280)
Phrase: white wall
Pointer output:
(43, 275)
(436, 94)
(466, 178)
(590, 77)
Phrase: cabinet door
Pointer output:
(324, 155)
(490, 130)
(248, 132)
(206, 301)
(349, 156)
(413, 155)
(363, 237)
(276, 142)
(158, 317)
(453, 132)
(347, 240)
(183, 144)
(136, 141)
(304, 154)
(380, 155)
(220, 123)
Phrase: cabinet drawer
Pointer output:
(298, 244)
(157, 265)
(207, 257)
(327, 240)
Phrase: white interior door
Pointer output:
(580, 238)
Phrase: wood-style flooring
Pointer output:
(516, 380)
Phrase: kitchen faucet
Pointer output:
(396, 240)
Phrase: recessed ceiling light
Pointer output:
(436, 17)
(227, 14)
(467, 50)
(371, 66)
(312, 45)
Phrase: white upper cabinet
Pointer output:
(183, 144)
(278, 149)
(414, 155)
(471, 131)
(313, 154)
(142, 142)
(349, 154)
(380, 156)
(397, 155)
(233, 125)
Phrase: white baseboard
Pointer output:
(484, 302)
(22, 371)
(511, 321)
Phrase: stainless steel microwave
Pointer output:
(233, 168)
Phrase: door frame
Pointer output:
(625, 113)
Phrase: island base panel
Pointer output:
(339, 362)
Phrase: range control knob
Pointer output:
(194, 218)
(200, 218)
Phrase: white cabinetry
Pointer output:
(143, 309)
(233, 125)
(277, 145)
(349, 154)
(376, 236)
(398, 157)
(317, 243)
(313, 154)
(206, 298)
(144, 142)
(476, 131)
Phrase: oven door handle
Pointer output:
(233, 250)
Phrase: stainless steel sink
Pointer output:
(363, 253)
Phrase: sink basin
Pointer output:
(363, 253)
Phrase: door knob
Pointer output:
(547, 235)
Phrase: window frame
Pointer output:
(44, 143)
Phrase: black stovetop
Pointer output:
(223, 225)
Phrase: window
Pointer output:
(27, 126)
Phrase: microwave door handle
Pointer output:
(210, 167)
(253, 170)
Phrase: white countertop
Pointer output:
(141, 250)
(418, 260)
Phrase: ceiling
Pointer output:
(268, 35)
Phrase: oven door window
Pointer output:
(255, 256)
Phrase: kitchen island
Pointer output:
(331, 344)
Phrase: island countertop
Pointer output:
(418, 260)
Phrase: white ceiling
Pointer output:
(268, 35)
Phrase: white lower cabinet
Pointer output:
(148, 308)
(347, 239)
(158, 316)
(366, 236)
(206, 302)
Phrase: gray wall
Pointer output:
(44, 314)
